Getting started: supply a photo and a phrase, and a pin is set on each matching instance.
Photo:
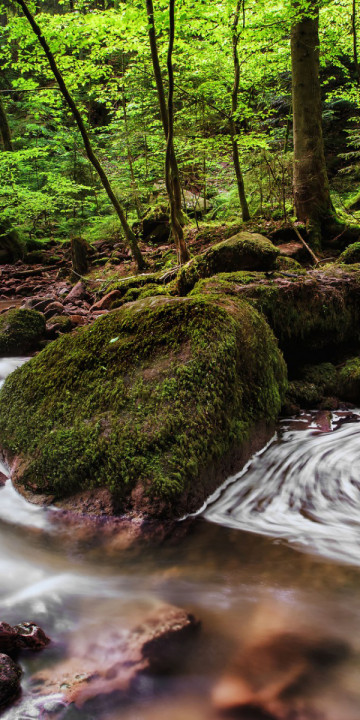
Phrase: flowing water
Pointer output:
(276, 550)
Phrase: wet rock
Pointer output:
(106, 302)
(3, 479)
(30, 636)
(10, 675)
(115, 660)
(25, 636)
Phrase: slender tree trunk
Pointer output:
(5, 129)
(311, 186)
(234, 104)
(175, 205)
(354, 32)
(130, 159)
(129, 235)
(164, 114)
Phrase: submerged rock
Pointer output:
(21, 331)
(152, 401)
(244, 251)
(115, 660)
(275, 677)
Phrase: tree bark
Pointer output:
(129, 235)
(5, 129)
(311, 186)
(234, 104)
(354, 32)
(175, 206)
(164, 114)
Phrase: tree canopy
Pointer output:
(102, 50)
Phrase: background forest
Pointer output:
(49, 190)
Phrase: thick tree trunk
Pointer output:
(129, 235)
(164, 114)
(311, 186)
(234, 104)
(4, 129)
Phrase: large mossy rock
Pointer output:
(311, 315)
(144, 402)
(20, 331)
(244, 251)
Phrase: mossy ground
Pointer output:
(20, 331)
(148, 396)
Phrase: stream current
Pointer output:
(275, 550)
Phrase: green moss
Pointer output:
(349, 380)
(244, 251)
(287, 264)
(137, 293)
(351, 254)
(303, 394)
(20, 331)
(323, 376)
(149, 395)
(306, 312)
(126, 284)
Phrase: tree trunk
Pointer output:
(354, 32)
(171, 157)
(4, 129)
(175, 206)
(129, 235)
(234, 104)
(311, 186)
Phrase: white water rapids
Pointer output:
(304, 487)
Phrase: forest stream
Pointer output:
(275, 551)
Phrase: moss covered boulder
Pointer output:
(351, 254)
(146, 402)
(311, 314)
(20, 331)
(244, 251)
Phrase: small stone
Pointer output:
(54, 308)
(106, 302)
(78, 292)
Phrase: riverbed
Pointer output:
(275, 551)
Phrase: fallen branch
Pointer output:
(306, 246)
